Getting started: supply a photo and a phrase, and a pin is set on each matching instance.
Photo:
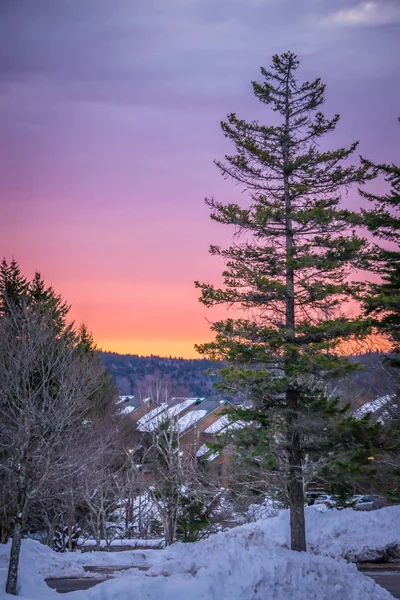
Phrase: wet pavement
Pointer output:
(390, 580)
(63, 585)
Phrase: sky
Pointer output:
(109, 124)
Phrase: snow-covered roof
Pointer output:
(225, 424)
(372, 406)
(176, 409)
(144, 421)
(213, 456)
(218, 425)
(190, 419)
(124, 399)
(202, 450)
(127, 409)
(164, 414)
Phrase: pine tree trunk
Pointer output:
(296, 491)
(11, 586)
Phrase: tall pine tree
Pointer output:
(13, 285)
(382, 302)
(16, 292)
(288, 270)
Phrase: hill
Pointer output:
(189, 377)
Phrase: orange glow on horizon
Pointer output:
(178, 348)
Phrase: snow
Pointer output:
(373, 406)
(143, 421)
(354, 535)
(164, 414)
(124, 399)
(218, 425)
(127, 410)
(250, 562)
(202, 450)
(174, 411)
(190, 419)
(132, 543)
(213, 456)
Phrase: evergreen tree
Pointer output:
(13, 285)
(288, 270)
(85, 340)
(382, 302)
(16, 292)
(383, 220)
(50, 302)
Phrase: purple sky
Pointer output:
(109, 117)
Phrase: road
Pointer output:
(73, 584)
(390, 580)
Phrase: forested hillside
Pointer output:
(190, 378)
(187, 375)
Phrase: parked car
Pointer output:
(370, 502)
(312, 496)
(329, 501)
(353, 500)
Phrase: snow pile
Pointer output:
(353, 535)
(122, 542)
(241, 571)
(357, 536)
(249, 562)
(36, 562)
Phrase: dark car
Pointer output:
(369, 502)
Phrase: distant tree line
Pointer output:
(191, 375)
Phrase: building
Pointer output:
(198, 421)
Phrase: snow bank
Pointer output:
(354, 535)
(132, 543)
(236, 572)
(250, 562)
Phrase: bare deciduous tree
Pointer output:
(46, 386)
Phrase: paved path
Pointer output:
(73, 584)
(390, 580)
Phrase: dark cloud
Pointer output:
(193, 57)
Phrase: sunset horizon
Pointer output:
(110, 128)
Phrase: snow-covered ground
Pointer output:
(250, 562)
(131, 543)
